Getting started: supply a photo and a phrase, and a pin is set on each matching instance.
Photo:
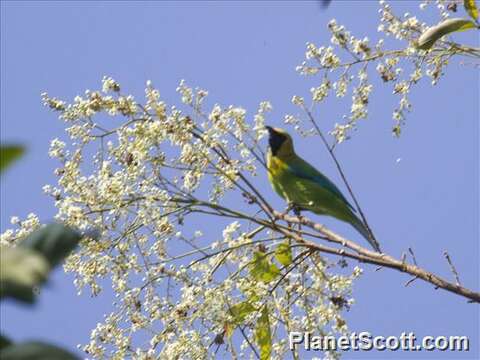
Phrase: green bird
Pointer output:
(304, 187)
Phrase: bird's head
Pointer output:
(280, 141)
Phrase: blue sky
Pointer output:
(244, 53)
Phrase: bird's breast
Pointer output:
(276, 167)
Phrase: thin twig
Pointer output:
(411, 280)
(410, 250)
(342, 174)
(452, 267)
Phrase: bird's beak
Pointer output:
(270, 130)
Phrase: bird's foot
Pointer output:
(297, 211)
(293, 207)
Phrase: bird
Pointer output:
(304, 187)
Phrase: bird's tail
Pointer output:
(362, 229)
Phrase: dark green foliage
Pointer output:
(35, 350)
(54, 242)
(23, 269)
(9, 153)
(4, 342)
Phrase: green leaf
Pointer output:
(54, 241)
(19, 292)
(4, 342)
(33, 350)
(20, 270)
(8, 154)
(430, 36)
(261, 269)
(283, 254)
(240, 311)
(263, 335)
(27, 265)
(471, 8)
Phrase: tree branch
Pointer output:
(366, 256)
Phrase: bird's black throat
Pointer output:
(275, 141)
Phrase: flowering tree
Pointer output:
(166, 174)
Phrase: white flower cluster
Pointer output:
(23, 228)
(348, 53)
(139, 185)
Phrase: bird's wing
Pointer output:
(302, 169)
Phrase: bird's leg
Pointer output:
(297, 210)
(290, 206)
(293, 207)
